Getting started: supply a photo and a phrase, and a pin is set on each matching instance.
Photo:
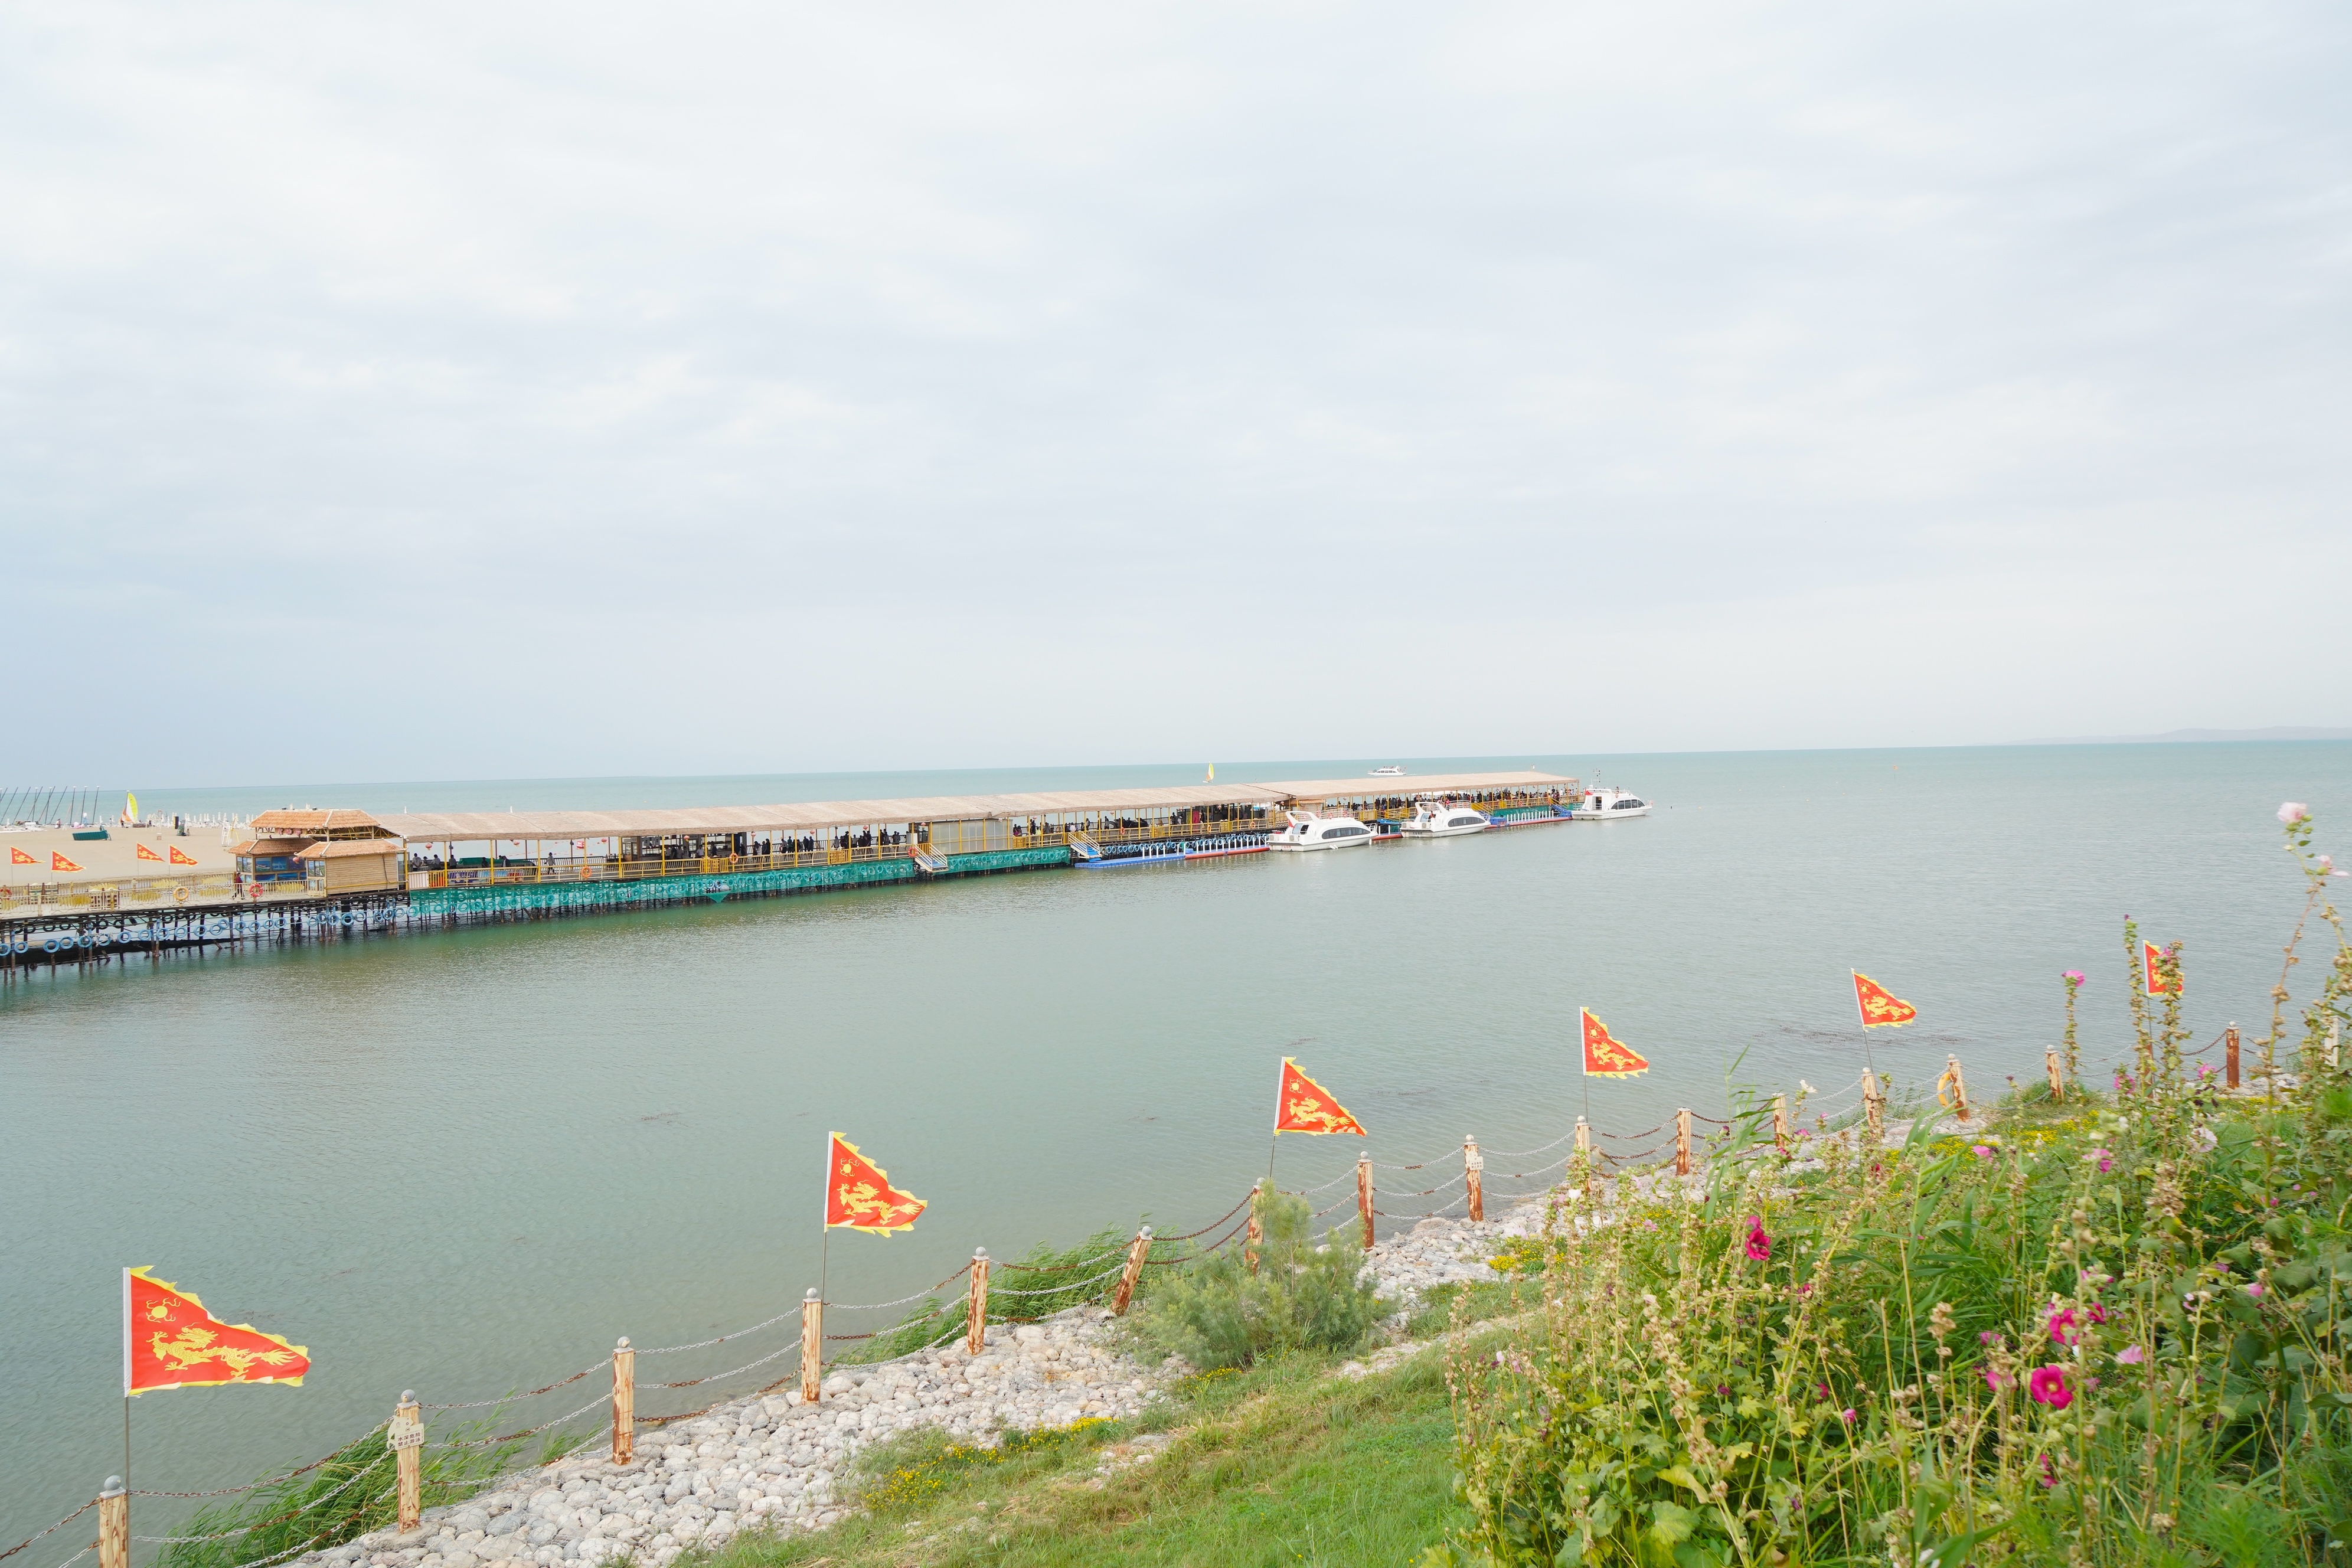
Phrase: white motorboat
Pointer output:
(1608, 805)
(1390, 771)
(1309, 831)
(1437, 819)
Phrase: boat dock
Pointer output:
(312, 875)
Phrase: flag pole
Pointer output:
(1868, 1060)
(823, 1214)
(126, 1387)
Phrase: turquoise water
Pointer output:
(465, 1163)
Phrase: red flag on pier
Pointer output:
(18, 858)
(858, 1195)
(1878, 1006)
(169, 1341)
(2151, 959)
(58, 862)
(145, 853)
(1606, 1056)
(1302, 1105)
(178, 858)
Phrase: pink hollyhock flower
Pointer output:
(1848, 1416)
(1760, 1245)
(1995, 1380)
(1981, 1150)
(2130, 1355)
(2075, 975)
(2048, 1387)
(2048, 1475)
(2256, 1289)
(2062, 1322)
(2293, 811)
(2104, 1159)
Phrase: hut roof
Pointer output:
(343, 848)
(268, 846)
(803, 816)
(338, 823)
(1368, 787)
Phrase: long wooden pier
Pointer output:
(471, 869)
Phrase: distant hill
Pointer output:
(2276, 733)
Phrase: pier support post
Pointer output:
(624, 1401)
(1781, 1123)
(114, 1525)
(1257, 1226)
(1683, 1143)
(1474, 1165)
(1959, 1085)
(405, 1438)
(1874, 1107)
(975, 1315)
(2230, 1056)
(1136, 1251)
(1364, 1194)
(812, 1347)
(2057, 1074)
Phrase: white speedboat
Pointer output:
(1390, 771)
(1436, 819)
(1309, 831)
(1608, 805)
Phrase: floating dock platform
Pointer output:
(301, 878)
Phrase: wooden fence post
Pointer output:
(1364, 1194)
(624, 1401)
(1781, 1123)
(1874, 1106)
(1136, 1251)
(975, 1311)
(1683, 1143)
(1474, 1165)
(812, 1347)
(2057, 1074)
(405, 1438)
(113, 1525)
(2230, 1056)
(1257, 1226)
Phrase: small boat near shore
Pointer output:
(1608, 805)
(1307, 830)
(1440, 819)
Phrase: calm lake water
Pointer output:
(465, 1163)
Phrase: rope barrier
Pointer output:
(1629, 1137)
(713, 1377)
(1054, 1267)
(1310, 1192)
(535, 1431)
(1523, 1153)
(1216, 1222)
(731, 1334)
(51, 1531)
(901, 1301)
(78, 1556)
(294, 1512)
(1058, 1289)
(472, 1405)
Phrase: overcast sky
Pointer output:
(461, 391)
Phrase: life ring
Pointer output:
(49, 944)
(254, 891)
(105, 938)
(180, 895)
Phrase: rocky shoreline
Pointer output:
(773, 1462)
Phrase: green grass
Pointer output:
(1280, 1463)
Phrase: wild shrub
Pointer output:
(2113, 1338)
(1302, 1295)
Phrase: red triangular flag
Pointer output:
(858, 1195)
(1302, 1105)
(1878, 1006)
(1606, 1056)
(169, 1341)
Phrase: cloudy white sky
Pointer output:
(453, 390)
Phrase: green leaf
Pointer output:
(1670, 1523)
(1680, 1475)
